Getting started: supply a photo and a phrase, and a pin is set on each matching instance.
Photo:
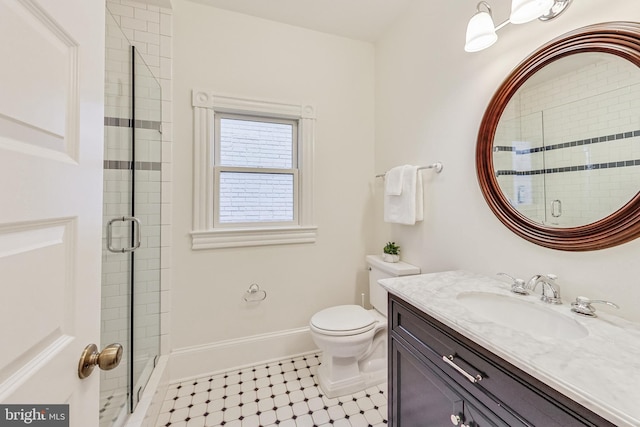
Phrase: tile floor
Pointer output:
(111, 407)
(277, 394)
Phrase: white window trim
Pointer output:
(204, 235)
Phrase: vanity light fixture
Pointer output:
(481, 32)
(523, 11)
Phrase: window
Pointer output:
(256, 170)
(253, 171)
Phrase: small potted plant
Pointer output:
(391, 252)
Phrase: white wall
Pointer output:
(430, 98)
(244, 56)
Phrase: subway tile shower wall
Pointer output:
(543, 137)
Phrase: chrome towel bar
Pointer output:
(437, 166)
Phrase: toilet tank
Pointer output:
(379, 269)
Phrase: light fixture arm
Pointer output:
(502, 24)
(485, 4)
(481, 34)
(490, 12)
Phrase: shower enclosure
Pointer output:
(131, 224)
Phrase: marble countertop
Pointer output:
(601, 371)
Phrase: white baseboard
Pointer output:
(197, 361)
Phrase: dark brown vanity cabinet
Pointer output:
(423, 397)
(473, 387)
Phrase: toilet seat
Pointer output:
(343, 320)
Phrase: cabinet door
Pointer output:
(421, 398)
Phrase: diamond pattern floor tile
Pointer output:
(277, 394)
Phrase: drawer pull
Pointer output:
(449, 360)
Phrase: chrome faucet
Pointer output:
(550, 289)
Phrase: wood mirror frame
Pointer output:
(616, 38)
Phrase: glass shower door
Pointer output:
(131, 244)
(115, 401)
(147, 149)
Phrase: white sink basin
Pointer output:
(532, 318)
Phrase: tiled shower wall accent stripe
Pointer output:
(582, 142)
(609, 165)
(126, 165)
(577, 143)
(140, 124)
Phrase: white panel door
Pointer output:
(51, 148)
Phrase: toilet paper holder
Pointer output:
(254, 293)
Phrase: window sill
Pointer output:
(245, 237)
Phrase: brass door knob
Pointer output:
(106, 360)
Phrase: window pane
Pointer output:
(255, 197)
(256, 144)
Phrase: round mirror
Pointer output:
(558, 153)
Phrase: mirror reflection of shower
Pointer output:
(131, 224)
(565, 149)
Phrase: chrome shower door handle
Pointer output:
(556, 208)
(138, 234)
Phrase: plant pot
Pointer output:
(390, 257)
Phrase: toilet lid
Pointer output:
(343, 318)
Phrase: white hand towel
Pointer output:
(393, 181)
(406, 208)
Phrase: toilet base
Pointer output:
(374, 373)
(352, 363)
(350, 376)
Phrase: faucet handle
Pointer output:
(517, 286)
(582, 305)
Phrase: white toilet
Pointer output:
(353, 340)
